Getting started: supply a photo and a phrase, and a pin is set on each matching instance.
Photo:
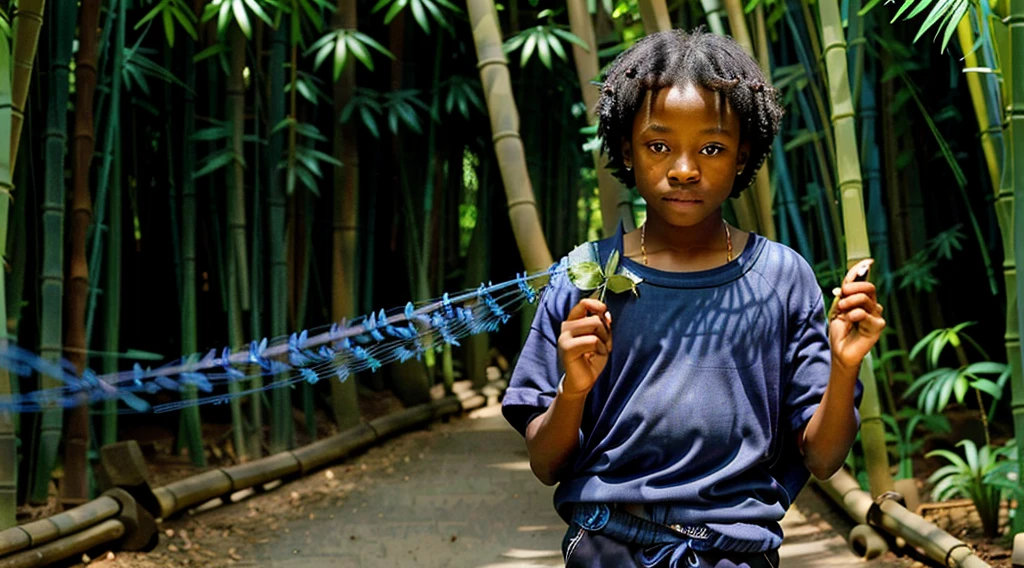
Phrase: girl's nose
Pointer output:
(684, 170)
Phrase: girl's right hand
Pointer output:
(584, 345)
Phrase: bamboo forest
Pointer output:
(269, 265)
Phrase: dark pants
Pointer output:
(600, 537)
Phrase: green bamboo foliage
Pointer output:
(758, 199)
(855, 226)
(344, 401)
(615, 205)
(8, 437)
(75, 488)
(1013, 80)
(237, 266)
(501, 107)
(62, 34)
(25, 24)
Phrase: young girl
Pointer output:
(685, 443)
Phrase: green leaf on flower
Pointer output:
(586, 275)
(618, 283)
(612, 264)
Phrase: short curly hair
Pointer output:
(678, 58)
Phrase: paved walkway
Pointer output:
(466, 498)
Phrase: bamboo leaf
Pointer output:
(395, 9)
(954, 20)
(215, 49)
(184, 18)
(369, 121)
(528, 47)
(367, 40)
(242, 17)
(986, 367)
(543, 49)
(988, 387)
(359, 52)
(340, 55)
(224, 17)
(960, 387)
(215, 162)
(420, 15)
(260, 13)
(169, 28)
(156, 11)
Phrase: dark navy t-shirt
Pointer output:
(710, 375)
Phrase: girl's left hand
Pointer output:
(856, 321)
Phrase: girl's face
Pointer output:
(685, 153)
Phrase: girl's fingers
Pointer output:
(857, 301)
(858, 270)
(576, 347)
(851, 288)
(590, 325)
(586, 307)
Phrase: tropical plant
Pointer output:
(970, 477)
(904, 442)
(936, 387)
(545, 38)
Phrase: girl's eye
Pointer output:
(658, 147)
(711, 150)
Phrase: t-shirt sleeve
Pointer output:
(537, 372)
(810, 364)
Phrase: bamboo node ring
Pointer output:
(502, 134)
(490, 61)
(518, 202)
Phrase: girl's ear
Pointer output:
(627, 153)
(741, 156)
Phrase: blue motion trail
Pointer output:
(335, 351)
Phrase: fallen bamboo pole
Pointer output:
(66, 547)
(46, 530)
(893, 518)
(89, 525)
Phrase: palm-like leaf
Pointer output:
(367, 103)
(545, 39)
(462, 92)
(341, 43)
(422, 11)
(171, 11)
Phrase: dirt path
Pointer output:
(456, 495)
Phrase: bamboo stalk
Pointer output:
(896, 520)
(62, 25)
(277, 240)
(508, 146)
(25, 24)
(190, 417)
(75, 488)
(1013, 80)
(615, 205)
(344, 399)
(855, 227)
(237, 267)
(8, 436)
(654, 14)
(758, 201)
(981, 111)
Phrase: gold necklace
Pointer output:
(728, 241)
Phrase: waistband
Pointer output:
(619, 523)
